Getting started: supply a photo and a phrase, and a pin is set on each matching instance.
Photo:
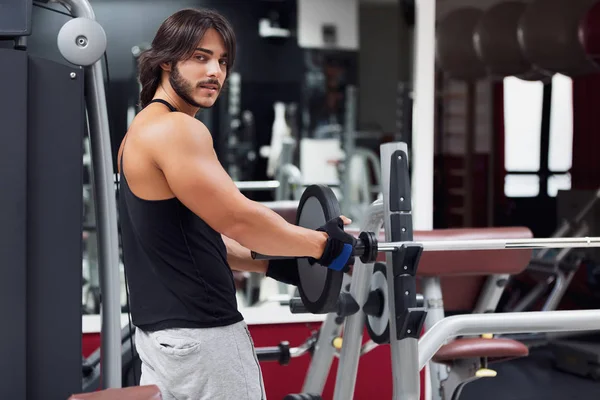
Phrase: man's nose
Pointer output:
(214, 69)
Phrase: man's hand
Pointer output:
(339, 248)
(286, 270)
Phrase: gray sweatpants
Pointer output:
(201, 364)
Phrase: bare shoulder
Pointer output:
(177, 129)
(173, 137)
(159, 134)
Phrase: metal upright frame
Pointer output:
(354, 324)
(105, 206)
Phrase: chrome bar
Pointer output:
(303, 348)
(495, 244)
(257, 185)
(525, 322)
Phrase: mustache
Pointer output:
(210, 82)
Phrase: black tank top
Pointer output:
(176, 264)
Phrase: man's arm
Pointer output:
(184, 152)
(282, 270)
(239, 258)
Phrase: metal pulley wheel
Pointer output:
(81, 41)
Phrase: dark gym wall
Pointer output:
(271, 70)
(585, 172)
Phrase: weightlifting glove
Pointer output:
(339, 249)
(284, 270)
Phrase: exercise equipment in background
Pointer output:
(455, 52)
(240, 152)
(555, 267)
(330, 157)
(496, 43)
(279, 132)
(319, 288)
(530, 40)
(551, 33)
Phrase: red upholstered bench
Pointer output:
(149, 392)
(495, 350)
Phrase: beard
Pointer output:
(184, 88)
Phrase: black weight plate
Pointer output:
(320, 286)
(549, 36)
(455, 50)
(378, 327)
(497, 43)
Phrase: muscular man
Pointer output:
(185, 225)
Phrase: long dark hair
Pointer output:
(176, 40)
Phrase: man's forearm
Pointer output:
(264, 231)
(239, 258)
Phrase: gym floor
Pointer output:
(532, 378)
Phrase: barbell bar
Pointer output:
(367, 247)
(496, 244)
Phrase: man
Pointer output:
(185, 225)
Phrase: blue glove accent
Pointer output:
(339, 263)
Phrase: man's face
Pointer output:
(198, 80)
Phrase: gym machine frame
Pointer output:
(82, 39)
(44, 270)
(409, 353)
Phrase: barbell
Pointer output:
(367, 248)
(320, 287)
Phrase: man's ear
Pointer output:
(166, 66)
